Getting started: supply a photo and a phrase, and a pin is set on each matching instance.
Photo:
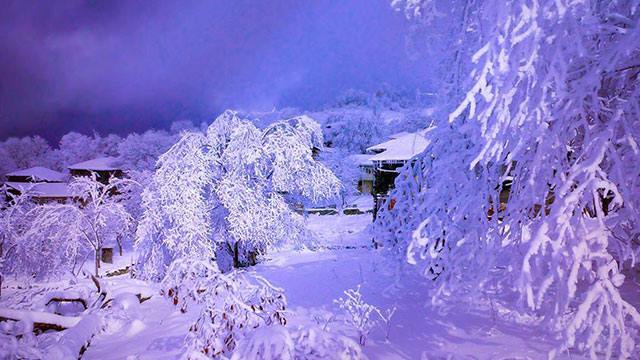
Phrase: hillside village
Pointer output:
(395, 180)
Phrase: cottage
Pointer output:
(389, 156)
(105, 168)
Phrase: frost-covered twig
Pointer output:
(386, 319)
(358, 313)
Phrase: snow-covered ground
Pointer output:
(312, 280)
(340, 231)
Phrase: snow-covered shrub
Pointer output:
(357, 312)
(266, 343)
(224, 190)
(231, 305)
(313, 343)
(531, 183)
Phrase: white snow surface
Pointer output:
(361, 159)
(312, 280)
(54, 190)
(39, 173)
(401, 148)
(98, 164)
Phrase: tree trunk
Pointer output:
(236, 256)
(119, 241)
(97, 262)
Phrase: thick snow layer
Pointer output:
(54, 190)
(312, 280)
(401, 148)
(98, 164)
(361, 159)
(39, 173)
(340, 231)
(40, 317)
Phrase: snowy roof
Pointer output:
(399, 134)
(57, 190)
(39, 173)
(99, 164)
(402, 148)
(361, 159)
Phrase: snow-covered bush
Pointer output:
(316, 343)
(266, 343)
(223, 192)
(357, 312)
(531, 182)
(231, 305)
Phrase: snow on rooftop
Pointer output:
(98, 164)
(361, 159)
(39, 173)
(399, 134)
(55, 190)
(402, 148)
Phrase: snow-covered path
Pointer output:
(313, 279)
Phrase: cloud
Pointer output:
(128, 65)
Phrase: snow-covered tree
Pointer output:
(75, 147)
(223, 192)
(7, 164)
(532, 182)
(57, 235)
(443, 35)
(26, 152)
(139, 152)
(344, 168)
(109, 145)
(13, 222)
(353, 129)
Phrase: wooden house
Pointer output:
(104, 167)
(388, 157)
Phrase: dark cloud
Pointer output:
(128, 65)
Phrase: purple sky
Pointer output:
(129, 65)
